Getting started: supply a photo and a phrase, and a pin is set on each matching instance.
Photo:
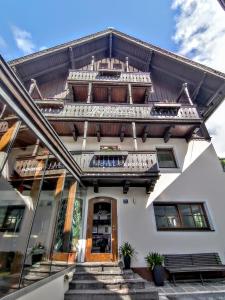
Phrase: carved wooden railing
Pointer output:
(125, 111)
(117, 162)
(142, 78)
(94, 162)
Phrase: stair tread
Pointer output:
(111, 281)
(97, 264)
(105, 291)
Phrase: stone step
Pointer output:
(133, 283)
(122, 294)
(102, 275)
(98, 268)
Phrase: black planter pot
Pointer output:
(159, 275)
(127, 261)
(36, 258)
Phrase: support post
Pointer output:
(134, 135)
(130, 100)
(69, 216)
(85, 136)
(186, 91)
(93, 63)
(109, 94)
(75, 132)
(98, 132)
(110, 46)
(145, 133)
(122, 133)
(127, 64)
(89, 98)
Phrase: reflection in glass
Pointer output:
(101, 232)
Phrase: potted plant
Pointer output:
(127, 251)
(37, 253)
(155, 263)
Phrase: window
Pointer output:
(11, 217)
(103, 66)
(166, 158)
(117, 66)
(181, 216)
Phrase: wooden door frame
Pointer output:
(101, 257)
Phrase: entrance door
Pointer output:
(101, 244)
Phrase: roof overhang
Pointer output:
(206, 82)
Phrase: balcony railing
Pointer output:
(123, 77)
(123, 163)
(121, 112)
(117, 162)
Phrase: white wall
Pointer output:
(199, 178)
(55, 289)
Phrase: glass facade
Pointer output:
(40, 208)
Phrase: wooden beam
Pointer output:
(193, 130)
(110, 45)
(109, 94)
(179, 77)
(198, 87)
(218, 92)
(126, 187)
(145, 133)
(134, 135)
(122, 133)
(72, 63)
(34, 86)
(167, 134)
(137, 59)
(85, 136)
(9, 136)
(150, 185)
(75, 132)
(63, 65)
(89, 98)
(186, 91)
(98, 132)
(69, 216)
(36, 147)
(95, 185)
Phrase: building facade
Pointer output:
(103, 141)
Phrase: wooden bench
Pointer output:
(200, 263)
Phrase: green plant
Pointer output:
(127, 250)
(154, 259)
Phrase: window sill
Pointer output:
(187, 230)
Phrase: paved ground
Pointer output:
(211, 290)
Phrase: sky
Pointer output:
(192, 28)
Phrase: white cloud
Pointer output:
(200, 34)
(23, 40)
(42, 48)
(2, 43)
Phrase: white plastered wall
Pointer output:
(198, 178)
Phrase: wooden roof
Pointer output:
(207, 83)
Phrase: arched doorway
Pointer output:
(101, 242)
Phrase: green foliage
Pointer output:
(127, 250)
(154, 259)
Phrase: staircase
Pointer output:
(97, 281)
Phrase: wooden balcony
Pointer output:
(121, 78)
(116, 162)
(114, 168)
(121, 112)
